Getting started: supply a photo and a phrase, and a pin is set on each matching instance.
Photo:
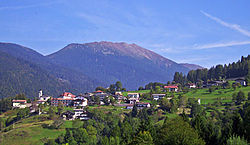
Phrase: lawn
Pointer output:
(139, 91)
(113, 109)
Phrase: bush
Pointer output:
(236, 140)
(56, 124)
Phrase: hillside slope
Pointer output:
(109, 62)
(20, 76)
(51, 77)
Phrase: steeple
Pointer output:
(40, 93)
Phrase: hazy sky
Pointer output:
(203, 32)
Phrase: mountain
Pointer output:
(20, 76)
(191, 66)
(24, 70)
(108, 62)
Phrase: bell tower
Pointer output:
(40, 93)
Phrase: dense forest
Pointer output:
(219, 72)
(23, 70)
(20, 76)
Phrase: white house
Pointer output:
(158, 96)
(118, 93)
(191, 85)
(133, 95)
(80, 101)
(241, 81)
(133, 100)
(142, 105)
(19, 103)
(80, 114)
(171, 88)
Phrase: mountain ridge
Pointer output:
(82, 67)
(191, 66)
(130, 60)
(76, 81)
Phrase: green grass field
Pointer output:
(224, 94)
(29, 132)
(140, 91)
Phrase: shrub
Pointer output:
(236, 140)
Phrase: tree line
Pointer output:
(240, 68)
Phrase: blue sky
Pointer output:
(202, 32)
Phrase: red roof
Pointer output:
(99, 91)
(68, 94)
(60, 99)
(19, 101)
(172, 87)
(141, 103)
(129, 105)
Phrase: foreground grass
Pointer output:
(29, 132)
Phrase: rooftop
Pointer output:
(171, 87)
(19, 101)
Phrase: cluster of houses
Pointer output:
(79, 102)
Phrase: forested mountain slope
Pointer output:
(52, 78)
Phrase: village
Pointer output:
(116, 115)
(128, 101)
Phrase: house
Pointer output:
(142, 105)
(66, 99)
(213, 83)
(242, 82)
(199, 101)
(172, 88)
(133, 95)
(68, 115)
(138, 105)
(65, 102)
(67, 95)
(101, 96)
(75, 114)
(80, 101)
(80, 114)
(158, 96)
(34, 107)
(98, 92)
(129, 106)
(19, 103)
(119, 98)
(133, 100)
(191, 85)
(42, 98)
(118, 93)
